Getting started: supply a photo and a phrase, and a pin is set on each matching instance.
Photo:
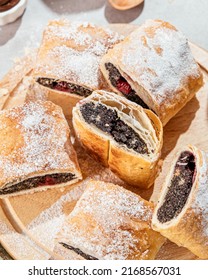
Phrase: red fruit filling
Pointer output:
(123, 86)
(62, 86)
(48, 181)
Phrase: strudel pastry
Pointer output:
(15, 85)
(121, 135)
(109, 222)
(68, 60)
(182, 210)
(154, 67)
(35, 149)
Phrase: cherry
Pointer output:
(48, 181)
(123, 86)
(61, 86)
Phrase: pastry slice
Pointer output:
(120, 134)
(182, 210)
(16, 84)
(68, 60)
(154, 68)
(109, 223)
(35, 149)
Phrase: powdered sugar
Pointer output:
(112, 211)
(20, 245)
(69, 31)
(74, 50)
(120, 202)
(41, 133)
(80, 33)
(75, 65)
(159, 59)
(45, 226)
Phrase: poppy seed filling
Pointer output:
(78, 251)
(107, 120)
(122, 85)
(179, 188)
(50, 179)
(64, 86)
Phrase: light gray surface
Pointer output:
(190, 16)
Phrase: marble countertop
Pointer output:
(190, 16)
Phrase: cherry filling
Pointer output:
(6, 5)
(122, 85)
(107, 120)
(64, 86)
(46, 180)
(179, 188)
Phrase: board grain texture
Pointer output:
(29, 223)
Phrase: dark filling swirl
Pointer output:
(46, 180)
(179, 188)
(107, 120)
(78, 251)
(64, 86)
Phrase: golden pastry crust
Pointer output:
(189, 228)
(34, 141)
(156, 61)
(71, 52)
(16, 84)
(109, 222)
(133, 167)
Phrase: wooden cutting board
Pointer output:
(29, 223)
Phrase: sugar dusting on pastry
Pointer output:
(74, 51)
(45, 226)
(69, 31)
(200, 204)
(41, 133)
(74, 65)
(81, 33)
(161, 61)
(114, 212)
(20, 244)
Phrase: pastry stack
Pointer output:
(117, 94)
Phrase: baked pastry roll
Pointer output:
(15, 85)
(35, 149)
(154, 67)
(182, 210)
(68, 60)
(121, 135)
(109, 222)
